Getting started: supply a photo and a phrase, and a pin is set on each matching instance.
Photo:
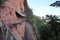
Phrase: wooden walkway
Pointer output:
(29, 33)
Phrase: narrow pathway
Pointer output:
(29, 34)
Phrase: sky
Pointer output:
(41, 7)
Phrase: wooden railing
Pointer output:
(5, 26)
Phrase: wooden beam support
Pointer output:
(19, 21)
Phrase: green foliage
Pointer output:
(56, 4)
(49, 31)
(30, 19)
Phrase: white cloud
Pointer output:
(42, 11)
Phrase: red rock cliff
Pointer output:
(8, 15)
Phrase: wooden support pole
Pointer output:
(9, 30)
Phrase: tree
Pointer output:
(54, 24)
(56, 4)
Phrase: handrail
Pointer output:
(19, 21)
(16, 22)
(9, 30)
(7, 26)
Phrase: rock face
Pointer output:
(8, 15)
(28, 11)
